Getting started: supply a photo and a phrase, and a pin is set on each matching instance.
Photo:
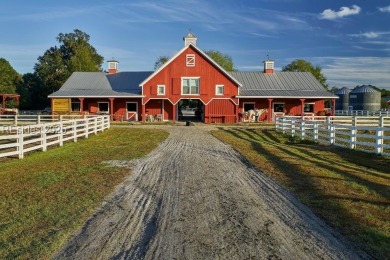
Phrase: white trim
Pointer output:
(136, 110)
(96, 96)
(156, 98)
(216, 89)
(190, 60)
(287, 97)
(249, 102)
(158, 87)
(189, 78)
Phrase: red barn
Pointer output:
(191, 81)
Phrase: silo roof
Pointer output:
(342, 91)
(364, 89)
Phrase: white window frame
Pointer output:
(278, 103)
(190, 60)
(220, 86)
(158, 90)
(244, 103)
(189, 78)
(108, 107)
(75, 102)
(308, 103)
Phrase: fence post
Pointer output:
(86, 126)
(38, 119)
(352, 141)
(379, 136)
(354, 121)
(43, 138)
(75, 130)
(19, 130)
(302, 129)
(332, 135)
(16, 120)
(315, 131)
(293, 122)
(95, 124)
(61, 118)
(62, 133)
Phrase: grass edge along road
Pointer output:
(47, 196)
(348, 189)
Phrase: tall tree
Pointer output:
(9, 78)
(306, 66)
(75, 53)
(223, 60)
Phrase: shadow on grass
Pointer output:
(273, 148)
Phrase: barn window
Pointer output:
(308, 108)
(160, 89)
(104, 107)
(190, 86)
(76, 105)
(190, 60)
(219, 90)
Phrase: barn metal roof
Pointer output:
(100, 84)
(280, 84)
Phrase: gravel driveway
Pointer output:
(196, 198)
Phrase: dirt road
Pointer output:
(196, 198)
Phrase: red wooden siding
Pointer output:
(220, 111)
(168, 110)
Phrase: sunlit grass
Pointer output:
(349, 189)
(45, 197)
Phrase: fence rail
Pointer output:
(17, 140)
(368, 134)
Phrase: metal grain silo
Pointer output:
(342, 103)
(365, 98)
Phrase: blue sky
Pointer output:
(350, 40)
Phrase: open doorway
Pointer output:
(190, 110)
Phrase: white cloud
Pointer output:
(385, 9)
(330, 14)
(369, 35)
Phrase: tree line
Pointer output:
(75, 53)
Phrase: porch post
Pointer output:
(111, 108)
(333, 107)
(270, 110)
(236, 109)
(302, 106)
(174, 112)
(143, 111)
(81, 105)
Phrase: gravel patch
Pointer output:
(195, 197)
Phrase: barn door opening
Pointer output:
(190, 110)
(131, 111)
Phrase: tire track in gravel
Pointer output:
(197, 198)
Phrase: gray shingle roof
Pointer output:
(100, 84)
(280, 84)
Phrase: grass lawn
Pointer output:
(45, 197)
(350, 190)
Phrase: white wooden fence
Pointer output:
(368, 134)
(17, 140)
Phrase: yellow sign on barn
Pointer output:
(60, 104)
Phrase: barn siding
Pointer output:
(220, 111)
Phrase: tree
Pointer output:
(306, 66)
(160, 61)
(9, 78)
(31, 92)
(223, 60)
(54, 67)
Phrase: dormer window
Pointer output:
(190, 60)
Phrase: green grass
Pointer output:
(350, 190)
(45, 197)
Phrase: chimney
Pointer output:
(268, 66)
(112, 66)
(190, 38)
